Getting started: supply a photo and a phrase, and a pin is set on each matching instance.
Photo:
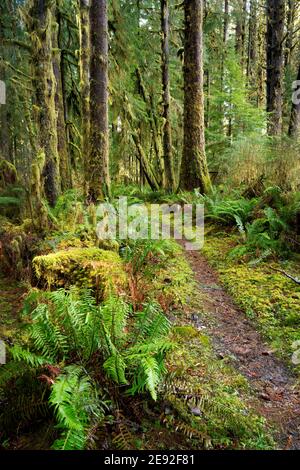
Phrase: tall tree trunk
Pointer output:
(62, 144)
(40, 23)
(240, 31)
(275, 37)
(85, 85)
(225, 37)
(261, 62)
(194, 171)
(99, 181)
(252, 45)
(4, 131)
(167, 136)
(226, 21)
(291, 17)
(294, 127)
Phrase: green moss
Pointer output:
(186, 331)
(173, 278)
(84, 267)
(268, 298)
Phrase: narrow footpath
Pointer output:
(277, 395)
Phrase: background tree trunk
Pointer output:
(99, 181)
(290, 26)
(275, 37)
(85, 85)
(252, 45)
(240, 31)
(294, 127)
(4, 128)
(62, 144)
(194, 171)
(225, 38)
(167, 136)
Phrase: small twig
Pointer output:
(289, 276)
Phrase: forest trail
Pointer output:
(275, 395)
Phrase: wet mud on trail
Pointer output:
(276, 395)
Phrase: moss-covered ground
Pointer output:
(267, 297)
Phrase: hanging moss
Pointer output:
(84, 267)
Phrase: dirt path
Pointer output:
(277, 398)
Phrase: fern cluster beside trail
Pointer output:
(88, 345)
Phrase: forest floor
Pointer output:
(276, 395)
(236, 342)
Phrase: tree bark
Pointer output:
(294, 127)
(167, 133)
(99, 180)
(62, 144)
(85, 85)
(40, 23)
(225, 38)
(4, 131)
(194, 171)
(252, 45)
(261, 62)
(240, 31)
(291, 17)
(275, 37)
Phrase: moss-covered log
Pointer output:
(93, 268)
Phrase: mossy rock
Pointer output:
(92, 268)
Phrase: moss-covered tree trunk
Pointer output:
(167, 135)
(62, 141)
(40, 22)
(4, 131)
(275, 38)
(194, 171)
(85, 85)
(99, 180)
(294, 127)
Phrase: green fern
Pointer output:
(77, 406)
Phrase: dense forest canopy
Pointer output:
(243, 89)
(109, 342)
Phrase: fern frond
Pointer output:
(115, 368)
(20, 354)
